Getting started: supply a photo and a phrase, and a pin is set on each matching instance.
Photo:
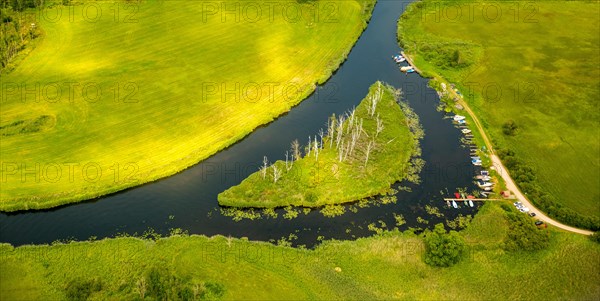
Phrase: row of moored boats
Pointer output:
(399, 59)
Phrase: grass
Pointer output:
(546, 72)
(385, 266)
(162, 73)
(334, 174)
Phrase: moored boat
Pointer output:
(458, 117)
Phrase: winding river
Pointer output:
(188, 200)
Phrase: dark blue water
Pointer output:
(188, 200)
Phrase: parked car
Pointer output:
(538, 222)
(532, 214)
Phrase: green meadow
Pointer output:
(117, 94)
(530, 72)
(386, 266)
(360, 154)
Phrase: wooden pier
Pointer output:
(410, 62)
(474, 200)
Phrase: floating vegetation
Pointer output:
(270, 213)
(378, 230)
(290, 212)
(333, 210)
(421, 220)
(399, 219)
(433, 211)
(240, 214)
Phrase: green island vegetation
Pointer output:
(145, 89)
(491, 260)
(536, 98)
(360, 154)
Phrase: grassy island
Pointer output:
(360, 154)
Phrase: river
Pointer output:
(188, 200)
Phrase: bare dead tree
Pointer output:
(341, 152)
(276, 173)
(340, 131)
(263, 169)
(373, 100)
(321, 134)
(286, 160)
(379, 125)
(296, 149)
(331, 130)
(351, 120)
(316, 149)
(308, 147)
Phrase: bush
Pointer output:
(80, 290)
(443, 249)
(595, 237)
(163, 284)
(510, 128)
(523, 234)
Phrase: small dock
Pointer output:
(474, 200)
(410, 62)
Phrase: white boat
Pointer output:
(465, 131)
(405, 68)
(484, 184)
(448, 203)
(458, 117)
(471, 203)
(454, 204)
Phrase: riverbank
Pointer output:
(367, 269)
(360, 154)
(149, 118)
(516, 115)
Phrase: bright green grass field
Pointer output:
(387, 266)
(155, 88)
(538, 67)
(320, 180)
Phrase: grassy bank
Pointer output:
(113, 100)
(532, 79)
(361, 154)
(386, 266)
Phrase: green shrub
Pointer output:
(510, 128)
(79, 289)
(212, 291)
(523, 234)
(443, 249)
(595, 237)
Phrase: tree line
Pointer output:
(526, 178)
